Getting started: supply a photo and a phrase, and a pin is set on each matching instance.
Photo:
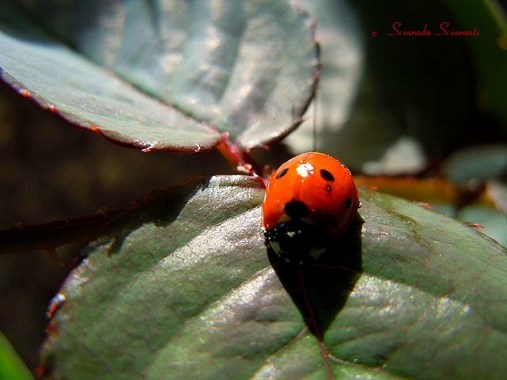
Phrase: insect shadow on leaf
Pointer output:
(320, 287)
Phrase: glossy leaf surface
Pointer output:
(187, 290)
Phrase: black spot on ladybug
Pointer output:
(296, 209)
(282, 173)
(348, 202)
(326, 175)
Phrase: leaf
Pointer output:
(90, 96)
(342, 59)
(11, 366)
(492, 222)
(172, 75)
(194, 295)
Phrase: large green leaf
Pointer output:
(189, 291)
(164, 75)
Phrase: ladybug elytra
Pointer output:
(309, 197)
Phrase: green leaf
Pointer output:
(90, 96)
(342, 59)
(492, 222)
(175, 75)
(11, 366)
(194, 294)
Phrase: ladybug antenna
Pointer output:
(314, 126)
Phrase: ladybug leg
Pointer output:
(296, 241)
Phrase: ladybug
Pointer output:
(310, 200)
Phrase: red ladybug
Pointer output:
(309, 198)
